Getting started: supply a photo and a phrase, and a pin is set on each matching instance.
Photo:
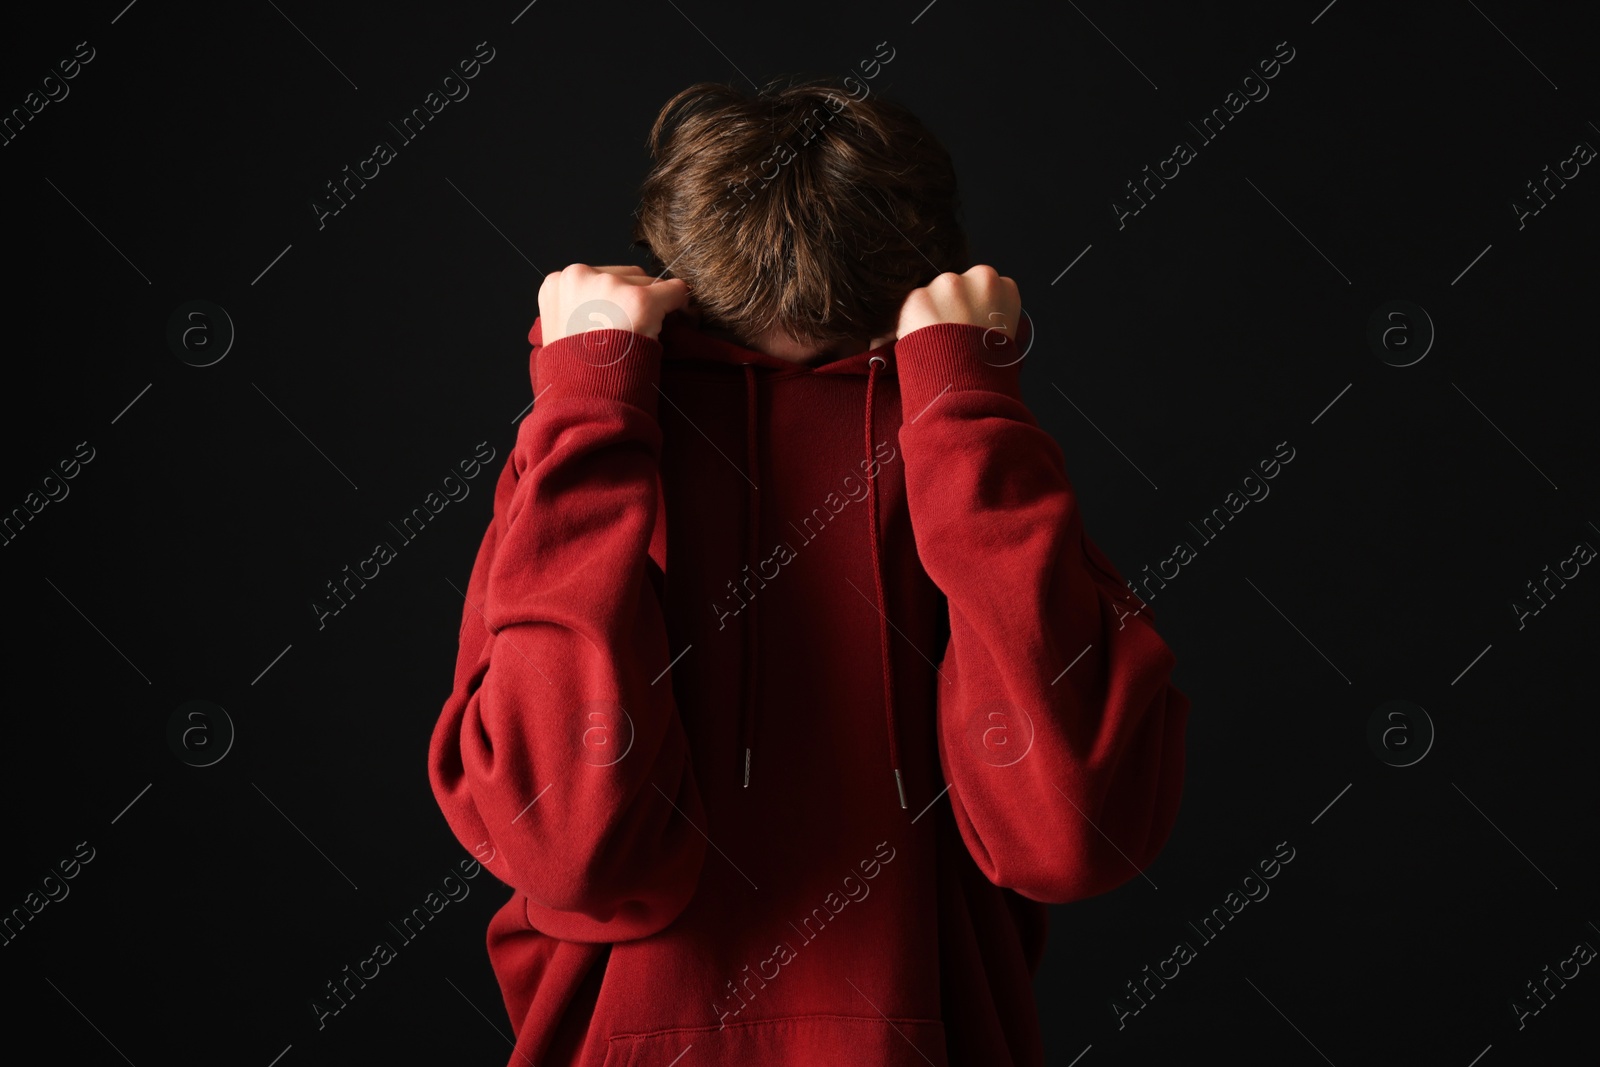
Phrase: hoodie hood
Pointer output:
(682, 341)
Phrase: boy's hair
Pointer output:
(798, 207)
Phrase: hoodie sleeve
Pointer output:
(559, 759)
(1060, 733)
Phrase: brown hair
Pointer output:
(861, 209)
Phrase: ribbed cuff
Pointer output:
(950, 356)
(611, 363)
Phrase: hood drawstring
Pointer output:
(752, 558)
(747, 720)
(877, 578)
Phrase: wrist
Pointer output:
(951, 357)
(611, 363)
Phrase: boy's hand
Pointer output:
(980, 297)
(582, 298)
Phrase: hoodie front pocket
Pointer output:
(791, 1041)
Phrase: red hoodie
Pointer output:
(786, 699)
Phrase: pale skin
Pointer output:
(980, 296)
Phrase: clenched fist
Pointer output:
(580, 298)
(979, 297)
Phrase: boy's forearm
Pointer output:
(1061, 734)
(561, 749)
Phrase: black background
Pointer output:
(378, 350)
